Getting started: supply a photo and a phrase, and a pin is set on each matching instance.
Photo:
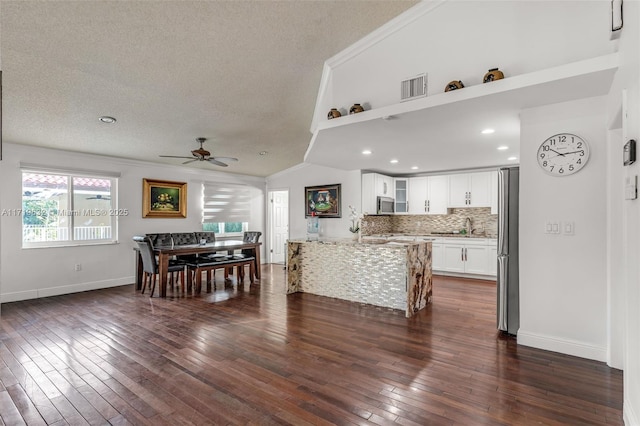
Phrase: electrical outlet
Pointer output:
(77, 267)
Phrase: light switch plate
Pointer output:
(569, 228)
(631, 187)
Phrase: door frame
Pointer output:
(270, 222)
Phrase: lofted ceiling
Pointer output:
(243, 74)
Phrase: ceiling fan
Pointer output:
(202, 154)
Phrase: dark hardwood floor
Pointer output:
(252, 355)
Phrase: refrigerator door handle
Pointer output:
(502, 293)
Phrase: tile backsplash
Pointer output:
(482, 221)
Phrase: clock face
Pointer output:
(563, 154)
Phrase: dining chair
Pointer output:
(160, 239)
(150, 264)
(248, 237)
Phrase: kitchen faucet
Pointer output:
(467, 225)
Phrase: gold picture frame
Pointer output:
(164, 199)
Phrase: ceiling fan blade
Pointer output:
(225, 158)
(216, 162)
(190, 161)
(174, 156)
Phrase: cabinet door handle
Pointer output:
(384, 188)
(465, 254)
(428, 206)
(425, 206)
(462, 254)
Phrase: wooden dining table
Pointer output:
(166, 252)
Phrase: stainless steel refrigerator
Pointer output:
(508, 271)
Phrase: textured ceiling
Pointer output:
(243, 74)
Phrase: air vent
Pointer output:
(414, 87)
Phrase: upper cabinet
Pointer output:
(428, 195)
(401, 186)
(375, 185)
(470, 189)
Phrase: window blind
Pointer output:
(224, 202)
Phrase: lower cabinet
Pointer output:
(465, 256)
(437, 256)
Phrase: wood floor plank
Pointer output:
(250, 354)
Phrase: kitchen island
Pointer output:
(392, 274)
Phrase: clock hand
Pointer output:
(558, 152)
(573, 152)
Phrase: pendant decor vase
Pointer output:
(492, 75)
(454, 85)
(334, 113)
(356, 108)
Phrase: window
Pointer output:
(226, 227)
(226, 208)
(61, 209)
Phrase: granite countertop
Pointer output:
(428, 236)
(370, 240)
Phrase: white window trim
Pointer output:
(112, 212)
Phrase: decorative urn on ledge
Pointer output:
(356, 108)
(492, 75)
(333, 113)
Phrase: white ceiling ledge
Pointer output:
(441, 125)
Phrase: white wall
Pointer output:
(563, 289)
(624, 99)
(41, 272)
(297, 178)
(462, 40)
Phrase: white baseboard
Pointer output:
(564, 346)
(628, 414)
(65, 289)
(472, 276)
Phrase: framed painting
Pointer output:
(164, 198)
(323, 201)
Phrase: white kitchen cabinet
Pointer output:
(375, 185)
(476, 256)
(437, 255)
(438, 194)
(418, 195)
(453, 258)
(428, 194)
(401, 186)
(470, 189)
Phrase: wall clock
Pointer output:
(563, 154)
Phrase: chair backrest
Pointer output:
(149, 264)
(163, 239)
(184, 238)
(209, 237)
(251, 236)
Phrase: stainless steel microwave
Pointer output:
(385, 205)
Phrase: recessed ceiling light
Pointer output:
(107, 119)
(263, 153)
(414, 168)
(487, 131)
(367, 152)
(502, 148)
(394, 161)
(512, 158)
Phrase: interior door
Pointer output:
(279, 202)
